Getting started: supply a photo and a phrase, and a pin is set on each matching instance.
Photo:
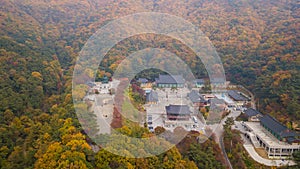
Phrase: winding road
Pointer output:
(219, 130)
(224, 152)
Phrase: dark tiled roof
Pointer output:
(217, 101)
(216, 104)
(195, 97)
(236, 96)
(217, 80)
(178, 110)
(152, 97)
(90, 84)
(293, 140)
(252, 112)
(105, 79)
(199, 81)
(276, 127)
(167, 79)
(142, 80)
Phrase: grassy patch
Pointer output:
(262, 152)
(129, 110)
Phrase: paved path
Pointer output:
(103, 120)
(103, 109)
(218, 130)
(224, 152)
(250, 149)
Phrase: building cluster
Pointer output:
(183, 110)
(102, 87)
(172, 102)
(232, 98)
(262, 130)
(267, 132)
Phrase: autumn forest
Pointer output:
(257, 40)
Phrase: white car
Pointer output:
(195, 119)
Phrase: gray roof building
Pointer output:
(152, 96)
(168, 79)
(237, 96)
(178, 110)
(276, 128)
(217, 80)
(199, 81)
(142, 80)
(195, 97)
(90, 84)
(252, 112)
(216, 103)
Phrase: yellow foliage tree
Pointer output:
(37, 75)
(68, 153)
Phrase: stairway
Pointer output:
(254, 140)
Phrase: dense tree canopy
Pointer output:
(257, 40)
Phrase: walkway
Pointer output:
(250, 149)
(224, 152)
(218, 130)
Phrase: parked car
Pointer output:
(195, 119)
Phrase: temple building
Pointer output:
(275, 138)
(168, 81)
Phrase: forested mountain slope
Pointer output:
(257, 40)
